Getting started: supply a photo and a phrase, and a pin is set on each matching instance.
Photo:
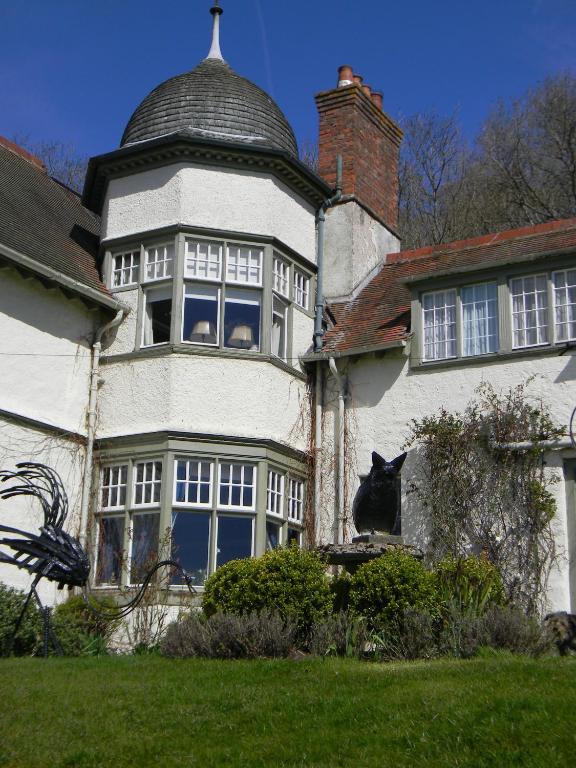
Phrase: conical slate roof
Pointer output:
(212, 101)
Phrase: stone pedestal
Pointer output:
(364, 548)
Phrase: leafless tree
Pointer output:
(521, 171)
(62, 161)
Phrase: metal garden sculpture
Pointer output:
(54, 554)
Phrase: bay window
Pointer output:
(216, 510)
(227, 295)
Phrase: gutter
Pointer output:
(341, 382)
(92, 404)
(92, 294)
(321, 219)
(315, 357)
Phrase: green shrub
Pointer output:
(340, 588)
(382, 589)
(289, 580)
(29, 635)
(229, 636)
(411, 636)
(470, 584)
(80, 631)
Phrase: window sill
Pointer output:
(160, 350)
(495, 357)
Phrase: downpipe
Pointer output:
(321, 220)
(341, 383)
(91, 418)
(318, 452)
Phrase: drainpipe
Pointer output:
(341, 382)
(92, 402)
(318, 454)
(321, 218)
(526, 445)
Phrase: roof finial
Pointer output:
(215, 52)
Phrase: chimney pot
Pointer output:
(345, 76)
(367, 90)
(358, 79)
(377, 98)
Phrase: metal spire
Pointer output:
(215, 52)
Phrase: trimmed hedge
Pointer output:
(382, 589)
(290, 581)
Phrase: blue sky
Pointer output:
(74, 70)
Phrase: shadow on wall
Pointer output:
(568, 373)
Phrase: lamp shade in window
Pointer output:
(204, 332)
(241, 336)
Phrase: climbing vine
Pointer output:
(482, 494)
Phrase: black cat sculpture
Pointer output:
(376, 507)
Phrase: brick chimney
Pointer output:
(361, 229)
(353, 125)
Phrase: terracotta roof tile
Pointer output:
(380, 313)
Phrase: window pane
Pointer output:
(479, 319)
(234, 539)
(272, 535)
(125, 268)
(237, 485)
(145, 530)
(148, 482)
(281, 276)
(157, 316)
(275, 493)
(159, 261)
(294, 537)
(244, 265)
(110, 550)
(301, 289)
(439, 316)
(190, 543)
(279, 314)
(296, 499)
(565, 304)
(113, 486)
(200, 320)
(193, 482)
(242, 319)
(529, 310)
(203, 260)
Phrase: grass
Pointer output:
(148, 711)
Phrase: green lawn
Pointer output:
(149, 711)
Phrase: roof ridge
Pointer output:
(480, 240)
(16, 149)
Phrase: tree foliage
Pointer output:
(520, 170)
(482, 497)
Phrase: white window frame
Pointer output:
(206, 261)
(433, 310)
(153, 482)
(242, 485)
(163, 268)
(219, 515)
(295, 501)
(275, 493)
(193, 504)
(301, 289)
(460, 342)
(284, 314)
(114, 486)
(130, 266)
(546, 309)
(281, 276)
(557, 306)
(164, 291)
(202, 287)
(233, 265)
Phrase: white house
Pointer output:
(186, 343)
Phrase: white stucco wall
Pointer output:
(244, 398)
(45, 345)
(206, 196)
(354, 245)
(385, 394)
(302, 334)
(19, 442)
